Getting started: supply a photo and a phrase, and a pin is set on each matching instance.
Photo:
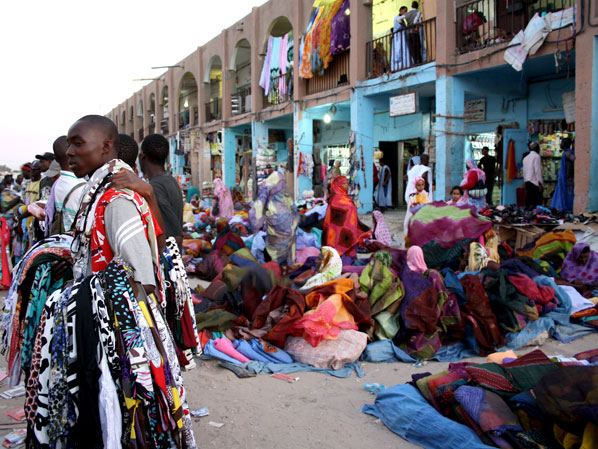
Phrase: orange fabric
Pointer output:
(305, 69)
(341, 224)
(511, 164)
(324, 48)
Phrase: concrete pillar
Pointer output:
(361, 32)
(256, 62)
(586, 123)
(362, 124)
(259, 136)
(304, 138)
(299, 84)
(450, 97)
(172, 103)
(158, 111)
(201, 90)
(229, 147)
(226, 78)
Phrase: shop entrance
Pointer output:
(391, 158)
(476, 143)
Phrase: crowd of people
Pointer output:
(98, 242)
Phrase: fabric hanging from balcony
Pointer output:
(328, 33)
(277, 70)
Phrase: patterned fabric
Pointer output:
(341, 224)
(574, 271)
(276, 209)
(329, 269)
(381, 229)
(225, 202)
(227, 240)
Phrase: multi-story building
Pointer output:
(442, 87)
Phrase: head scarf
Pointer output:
(416, 180)
(341, 223)
(191, 192)
(381, 230)
(573, 271)
(472, 165)
(225, 202)
(330, 268)
(415, 260)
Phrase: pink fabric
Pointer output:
(415, 260)
(302, 255)
(225, 345)
(527, 287)
(381, 231)
(225, 201)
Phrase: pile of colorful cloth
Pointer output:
(509, 402)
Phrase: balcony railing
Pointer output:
(484, 23)
(336, 75)
(281, 89)
(214, 110)
(414, 45)
(241, 101)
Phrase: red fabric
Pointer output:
(470, 179)
(511, 164)
(187, 328)
(341, 224)
(101, 253)
(527, 287)
(5, 238)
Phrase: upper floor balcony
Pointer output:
(280, 89)
(409, 47)
(484, 23)
(336, 75)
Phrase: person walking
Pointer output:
(532, 176)
(565, 187)
(384, 192)
(488, 165)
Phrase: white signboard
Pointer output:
(475, 110)
(569, 106)
(403, 105)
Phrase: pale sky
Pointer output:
(63, 59)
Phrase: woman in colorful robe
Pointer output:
(341, 223)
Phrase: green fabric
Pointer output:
(429, 214)
(217, 319)
(422, 384)
(551, 247)
(318, 233)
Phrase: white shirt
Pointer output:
(532, 168)
(65, 183)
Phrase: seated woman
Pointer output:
(456, 196)
(416, 200)
(581, 265)
(223, 202)
(381, 229)
(341, 223)
(474, 185)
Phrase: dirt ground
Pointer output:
(317, 411)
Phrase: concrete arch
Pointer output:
(187, 100)
(242, 47)
(278, 28)
(215, 63)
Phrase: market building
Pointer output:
(447, 87)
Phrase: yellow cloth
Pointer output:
(498, 357)
(589, 440)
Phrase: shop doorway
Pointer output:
(475, 144)
(391, 158)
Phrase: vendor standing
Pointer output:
(532, 176)
(488, 165)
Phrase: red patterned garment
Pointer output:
(341, 224)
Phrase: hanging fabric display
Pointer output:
(277, 72)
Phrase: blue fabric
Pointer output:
(273, 368)
(454, 285)
(385, 351)
(517, 340)
(407, 413)
(306, 239)
(279, 356)
(573, 331)
(454, 353)
(562, 313)
(562, 199)
(245, 348)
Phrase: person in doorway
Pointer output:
(532, 176)
(565, 189)
(384, 192)
(118, 225)
(65, 197)
(474, 185)
(456, 196)
(413, 158)
(336, 169)
(488, 165)
(414, 20)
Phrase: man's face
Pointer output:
(403, 10)
(485, 151)
(88, 148)
(44, 164)
(19, 179)
(26, 174)
(425, 160)
(36, 174)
